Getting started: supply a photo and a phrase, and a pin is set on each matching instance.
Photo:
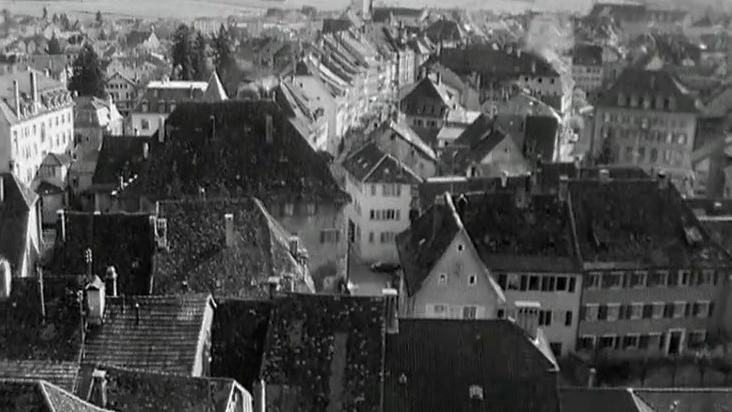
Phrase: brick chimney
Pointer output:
(16, 96)
(229, 223)
(5, 279)
(34, 88)
(391, 297)
(2, 188)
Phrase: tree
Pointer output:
(45, 13)
(200, 67)
(54, 47)
(98, 17)
(223, 57)
(88, 77)
(55, 18)
(182, 53)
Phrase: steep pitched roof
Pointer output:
(656, 229)
(328, 349)
(444, 30)
(426, 88)
(125, 241)
(214, 90)
(223, 148)
(60, 373)
(686, 399)
(119, 157)
(474, 143)
(587, 55)
(154, 333)
(435, 364)
(649, 84)
(370, 165)
(402, 129)
(15, 211)
(494, 63)
(197, 251)
(57, 159)
(541, 136)
(602, 400)
(20, 395)
(238, 336)
(143, 391)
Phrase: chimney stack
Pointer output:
(137, 313)
(604, 175)
(2, 188)
(391, 297)
(591, 378)
(6, 279)
(662, 180)
(504, 178)
(16, 95)
(229, 223)
(34, 88)
(112, 278)
(294, 245)
(62, 223)
(145, 150)
(99, 388)
(95, 300)
(273, 282)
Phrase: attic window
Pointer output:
(460, 247)
(442, 279)
(476, 392)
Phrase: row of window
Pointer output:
(384, 237)
(426, 123)
(650, 136)
(637, 341)
(306, 209)
(543, 283)
(647, 121)
(647, 102)
(442, 279)
(145, 106)
(670, 157)
(546, 317)
(539, 80)
(330, 236)
(658, 278)
(446, 311)
(387, 189)
(384, 214)
(656, 310)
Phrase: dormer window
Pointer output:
(144, 106)
(442, 280)
(476, 392)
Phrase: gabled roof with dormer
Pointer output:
(371, 165)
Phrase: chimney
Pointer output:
(229, 223)
(591, 378)
(604, 175)
(460, 205)
(99, 388)
(527, 317)
(2, 188)
(112, 279)
(145, 150)
(391, 298)
(137, 313)
(274, 283)
(294, 244)
(16, 95)
(62, 223)
(5, 279)
(662, 180)
(504, 179)
(563, 191)
(577, 167)
(34, 88)
(95, 299)
(269, 129)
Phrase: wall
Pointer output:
(203, 350)
(458, 263)
(154, 121)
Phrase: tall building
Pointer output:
(37, 113)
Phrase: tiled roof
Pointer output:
(136, 38)
(214, 90)
(125, 241)
(407, 134)
(537, 237)
(25, 335)
(444, 30)
(238, 334)
(154, 333)
(197, 252)
(15, 212)
(492, 63)
(370, 165)
(22, 395)
(474, 144)
(432, 364)
(235, 158)
(587, 55)
(649, 84)
(382, 14)
(62, 374)
(336, 25)
(424, 243)
(143, 391)
(328, 349)
(426, 88)
(656, 229)
(120, 156)
(687, 399)
(51, 93)
(602, 400)
(57, 159)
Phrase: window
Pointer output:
(607, 341)
(387, 237)
(330, 236)
(469, 312)
(440, 310)
(612, 280)
(613, 312)
(392, 190)
(561, 283)
(697, 338)
(547, 283)
(288, 209)
(701, 309)
(658, 278)
(513, 282)
(373, 190)
(706, 278)
(630, 341)
(572, 281)
(636, 310)
(586, 342)
(638, 279)
(534, 282)
(643, 341)
(568, 318)
(655, 340)
(472, 280)
(591, 311)
(545, 318)
(442, 280)
(310, 208)
(145, 124)
(371, 237)
(657, 312)
(460, 247)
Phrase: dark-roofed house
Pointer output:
(686, 399)
(426, 106)
(94, 118)
(381, 188)
(399, 16)
(446, 32)
(157, 100)
(443, 274)
(250, 148)
(324, 353)
(228, 247)
(20, 225)
(646, 119)
(164, 334)
(119, 163)
(401, 141)
(123, 389)
(587, 68)
(470, 365)
(603, 400)
(22, 395)
(60, 373)
(655, 282)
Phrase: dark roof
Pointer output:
(336, 25)
(443, 30)
(619, 11)
(649, 84)
(26, 336)
(704, 206)
(370, 165)
(536, 237)
(431, 365)
(382, 14)
(122, 240)
(426, 88)
(142, 391)
(237, 339)
(235, 158)
(587, 55)
(197, 252)
(137, 37)
(329, 349)
(426, 240)
(600, 400)
(541, 136)
(120, 156)
(15, 211)
(686, 399)
(165, 339)
(62, 374)
(655, 229)
(474, 144)
(494, 64)
(23, 395)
